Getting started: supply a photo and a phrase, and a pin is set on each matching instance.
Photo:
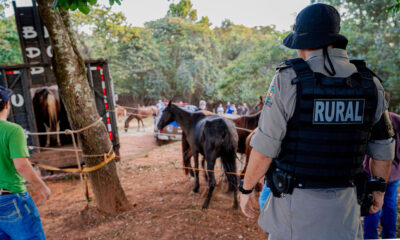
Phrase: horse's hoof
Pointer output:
(205, 206)
(195, 190)
(235, 206)
(47, 145)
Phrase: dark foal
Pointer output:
(210, 136)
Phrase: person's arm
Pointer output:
(267, 140)
(25, 169)
(379, 169)
(258, 166)
(381, 147)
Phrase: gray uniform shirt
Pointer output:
(311, 213)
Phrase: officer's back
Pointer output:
(322, 114)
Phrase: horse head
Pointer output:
(167, 116)
(258, 107)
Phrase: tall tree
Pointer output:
(183, 9)
(70, 73)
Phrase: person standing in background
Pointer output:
(245, 109)
(220, 109)
(388, 215)
(19, 216)
(203, 105)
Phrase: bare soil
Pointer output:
(163, 206)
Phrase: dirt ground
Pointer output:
(163, 206)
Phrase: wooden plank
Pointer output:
(56, 158)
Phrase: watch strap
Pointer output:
(244, 191)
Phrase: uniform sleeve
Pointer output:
(17, 144)
(277, 110)
(381, 149)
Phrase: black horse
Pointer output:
(211, 136)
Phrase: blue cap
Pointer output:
(5, 94)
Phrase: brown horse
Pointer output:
(258, 107)
(139, 114)
(246, 124)
(46, 104)
(248, 151)
(120, 111)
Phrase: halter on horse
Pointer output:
(211, 136)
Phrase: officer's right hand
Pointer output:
(249, 204)
(45, 193)
(377, 201)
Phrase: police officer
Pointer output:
(323, 112)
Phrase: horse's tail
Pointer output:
(129, 119)
(225, 139)
(52, 110)
(229, 163)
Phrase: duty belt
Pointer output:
(4, 191)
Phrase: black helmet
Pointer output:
(316, 26)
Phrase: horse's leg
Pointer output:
(138, 124)
(211, 178)
(47, 136)
(142, 122)
(58, 135)
(186, 162)
(196, 165)
(187, 154)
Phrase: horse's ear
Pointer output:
(170, 103)
(261, 98)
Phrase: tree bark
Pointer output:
(70, 72)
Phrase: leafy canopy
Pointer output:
(83, 5)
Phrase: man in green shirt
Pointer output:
(19, 216)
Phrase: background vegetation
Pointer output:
(184, 56)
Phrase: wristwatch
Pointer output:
(378, 184)
(242, 190)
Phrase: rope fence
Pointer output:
(213, 171)
(81, 170)
(146, 116)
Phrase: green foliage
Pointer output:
(183, 9)
(374, 35)
(81, 5)
(395, 8)
(178, 57)
(10, 52)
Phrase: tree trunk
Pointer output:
(76, 94)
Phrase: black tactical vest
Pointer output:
(327, 136)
